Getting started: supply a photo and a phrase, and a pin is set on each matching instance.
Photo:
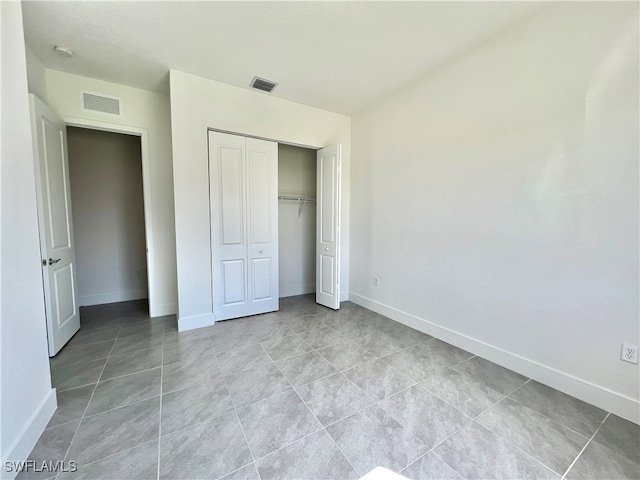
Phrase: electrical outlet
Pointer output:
(629, 353)
(376, 282)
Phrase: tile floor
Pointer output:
(308, 393)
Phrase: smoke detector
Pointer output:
(63, 51)
(263, 84)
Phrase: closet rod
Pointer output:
(296, 198)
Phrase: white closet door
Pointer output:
(227, 195)
(55, 222)
(262, 229)
(243, 176)
(328, 227)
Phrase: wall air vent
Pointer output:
(100, 103)
(262, 84)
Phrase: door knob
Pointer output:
(52, 261)
(260, 251)
(326, 249)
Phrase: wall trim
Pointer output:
(601, 397)
(163, 309)
(292, 291)
(101, 298)
(196, 321)
(28, 437)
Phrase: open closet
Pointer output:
(275, 224)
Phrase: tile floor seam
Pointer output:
(86, 408)
(450, 466)
(160, 407)
(235, 408)
(127, 374)
(564, 476)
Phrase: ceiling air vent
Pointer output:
(262, 84)
(99, 103)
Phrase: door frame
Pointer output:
(143, 133)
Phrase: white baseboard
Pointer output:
(163, 309)
(293, 290)
(102, 298)
(196, 321)
(344, 296)
(22, 446)
(601, 397)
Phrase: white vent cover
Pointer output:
(100, 103)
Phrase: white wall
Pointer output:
(144, 110)
(36, 77)
(198, 104)
(27, 401)
(296, 228)
(497, 201)
(108, 216)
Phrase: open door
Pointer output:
(328, 227)
(55, 224)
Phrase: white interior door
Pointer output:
(55, 222)
(262, 230)
(243, 176)
(328, 227)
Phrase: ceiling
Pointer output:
(338, 56)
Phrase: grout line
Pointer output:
(585, 446)
(160, 409)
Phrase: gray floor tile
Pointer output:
(313, 457)
(202, 369)
(119, 365)
(126, 390)
(405, 336)
(378, 379)
(463, 392)
(372, 438)
(247, 472)
(271, 331)
(333, 398)
(196, 404)
(256, 384)
(568, 411)
(378, 344)
(430, 419)
(111, 432)
(305, 368)
(302, 323)
(477, 453)
(621, 436)
(207, 450)
(170, 337)
(346, 355)
(354, 329)
(82, 354)
(430, 467)
(533, 433)
(138, 463)
(426, 358)
(242, 358)
(186, 351)
(226, 339)
(84, 337)
(77, 375)
(52, 446)
(141, 328)
(322, 337)
(136, 343)
(71, 405)
(492, 375)
(275, 422)
(599, 463)
(286, 347)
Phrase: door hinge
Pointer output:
(44, 262)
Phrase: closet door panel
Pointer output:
(227, 178)
(262, 225)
